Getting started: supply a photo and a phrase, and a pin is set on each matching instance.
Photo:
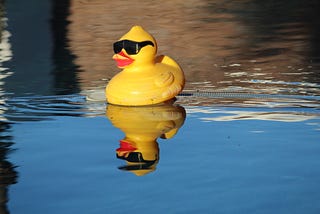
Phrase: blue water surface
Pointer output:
(213, 165)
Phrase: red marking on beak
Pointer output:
(122, 59)
(125, 146)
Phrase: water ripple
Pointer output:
(92, 103)
(35, 108)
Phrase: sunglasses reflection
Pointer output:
(142, 127)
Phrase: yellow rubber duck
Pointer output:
(145, 78)
(142, 126)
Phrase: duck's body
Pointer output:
(145, 79)
(148, 85)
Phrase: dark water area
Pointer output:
(244, 138)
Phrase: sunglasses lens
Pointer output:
(135, 157)
(131, 47)
(117, 46)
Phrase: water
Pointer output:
(246, 141)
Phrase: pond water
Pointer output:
(243, 138)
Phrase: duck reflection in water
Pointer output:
(142, 127)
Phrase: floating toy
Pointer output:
(145, 78)
(142, 126)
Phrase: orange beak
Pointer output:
(122, 59)
(125, 148)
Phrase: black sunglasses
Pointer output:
(135, 157)
(131, 47)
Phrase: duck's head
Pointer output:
(141, 158)
(135, 48)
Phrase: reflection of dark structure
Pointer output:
(293, 22)
(1, 15)
(30, 48)
(313, 19)
(8, 175)
(267, 19)
(272, 18)
(65, 76)
(40, 62)
(289, 28)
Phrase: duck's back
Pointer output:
(172, 76)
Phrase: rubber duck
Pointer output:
(146, 79)
(142, 126)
